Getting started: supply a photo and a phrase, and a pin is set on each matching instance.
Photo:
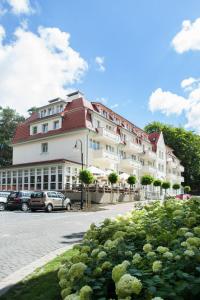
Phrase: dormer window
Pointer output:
(56, 125)
(45, 127)
(34, 130)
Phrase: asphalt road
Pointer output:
(26, 237)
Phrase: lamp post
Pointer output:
(76, 147)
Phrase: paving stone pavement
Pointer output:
(26, 237)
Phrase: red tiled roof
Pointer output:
(154, 137)
(74, 116)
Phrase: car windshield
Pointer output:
(37, 195)
(4, 194)
(13, 195)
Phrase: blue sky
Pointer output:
(134, 38)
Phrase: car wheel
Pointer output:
(2, 206)
(25, 207)
(49, 208)
(68, 206)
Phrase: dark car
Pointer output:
(19, 200)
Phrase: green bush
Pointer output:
(86, 177)
(131, 180)
(157, 182)
(113, 178)
(165, 185)
(187, 189)
(147, 179)
(146, 254)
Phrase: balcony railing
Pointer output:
(181, 168)
(105, 134)
(102, 154)
(135, 148)
(130, 163)
(148, 170)
(148, 154)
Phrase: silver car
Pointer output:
(3, 199)
(48, 201)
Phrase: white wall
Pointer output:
(58, 148)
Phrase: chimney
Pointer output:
(74, 95)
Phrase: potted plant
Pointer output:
(113, 179)
(146, 180)
(131, 180)
(86, 178)
(165, 186)
(157, 183)
(176, 187)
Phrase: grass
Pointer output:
(42, 284)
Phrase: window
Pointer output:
(34, 130)
(110, 148)
(44, 147)
(56, 125)
(45, 127)
(109, 127)
(94, 144)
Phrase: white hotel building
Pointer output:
(43, 147)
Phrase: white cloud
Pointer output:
(100, 63)
(188, 38)
(35, 67)
(167, 102)
(188, 82)
(20, 6)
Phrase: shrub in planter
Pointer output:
(176, 186)
(187, 189)
(165, 185)
(148, 254)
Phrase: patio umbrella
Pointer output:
(123, 176)
(96, 171)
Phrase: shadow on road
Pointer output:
(73, 238)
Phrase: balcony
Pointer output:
(171, 164)
(173, 177)
(103, 155)
(148, 170)
(134, 148)
(148, 154)
(181, 168)
(130, 163)
(182, 179)
(106, 135)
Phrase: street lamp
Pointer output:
(76, 147)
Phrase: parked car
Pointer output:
(19, 200)
(48, 201)
(3, 199)
(183, 196)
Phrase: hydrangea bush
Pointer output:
(149, 254)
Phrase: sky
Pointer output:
(140, 58)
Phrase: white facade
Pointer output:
(102, 145)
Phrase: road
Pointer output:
(26, 237)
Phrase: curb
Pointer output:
(19, 275)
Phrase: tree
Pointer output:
(131, 180)
(9, 119)
(146, 180)
(187, 189)
(113, 179)
(186, 145)
(176, 186)
(157, 183)
(165, 186)
(32, 109)
(86, 178)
